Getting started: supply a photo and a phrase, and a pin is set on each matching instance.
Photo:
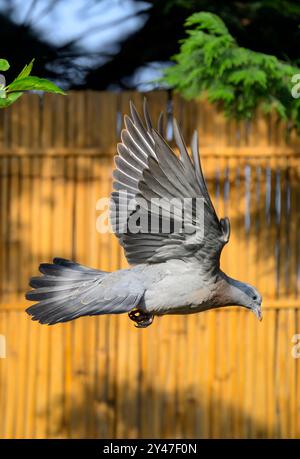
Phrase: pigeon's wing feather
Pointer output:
(160, 207)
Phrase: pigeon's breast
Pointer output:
(177, 288)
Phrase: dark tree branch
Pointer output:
(29, 15)
(47, 10)
(101, 27)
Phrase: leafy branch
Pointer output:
(22, 83)
(211, 64)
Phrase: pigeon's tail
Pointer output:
(69, 290)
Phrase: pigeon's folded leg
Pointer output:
(141, 318)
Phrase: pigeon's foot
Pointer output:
(141, 318)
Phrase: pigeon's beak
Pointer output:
(257, 311)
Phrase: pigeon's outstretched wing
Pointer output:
(156, 189)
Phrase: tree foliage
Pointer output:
(254, 24)
(238, 80)
(268, 26)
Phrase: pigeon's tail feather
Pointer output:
(68, 290)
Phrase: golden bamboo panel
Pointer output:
(211, 375)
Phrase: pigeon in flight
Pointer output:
(175, 269)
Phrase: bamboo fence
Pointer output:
(217, 374)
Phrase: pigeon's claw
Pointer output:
(141, 318)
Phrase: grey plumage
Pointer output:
(173, 272)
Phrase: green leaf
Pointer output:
(220, 92)
(26, 71)
(31, 83)
(248, 76)
(10, 99)
(4, 65)
(208, 21)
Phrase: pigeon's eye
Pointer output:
(254, 297)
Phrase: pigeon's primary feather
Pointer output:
(175, 254)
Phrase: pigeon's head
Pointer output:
(246, 295)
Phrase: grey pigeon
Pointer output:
(172, 272)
